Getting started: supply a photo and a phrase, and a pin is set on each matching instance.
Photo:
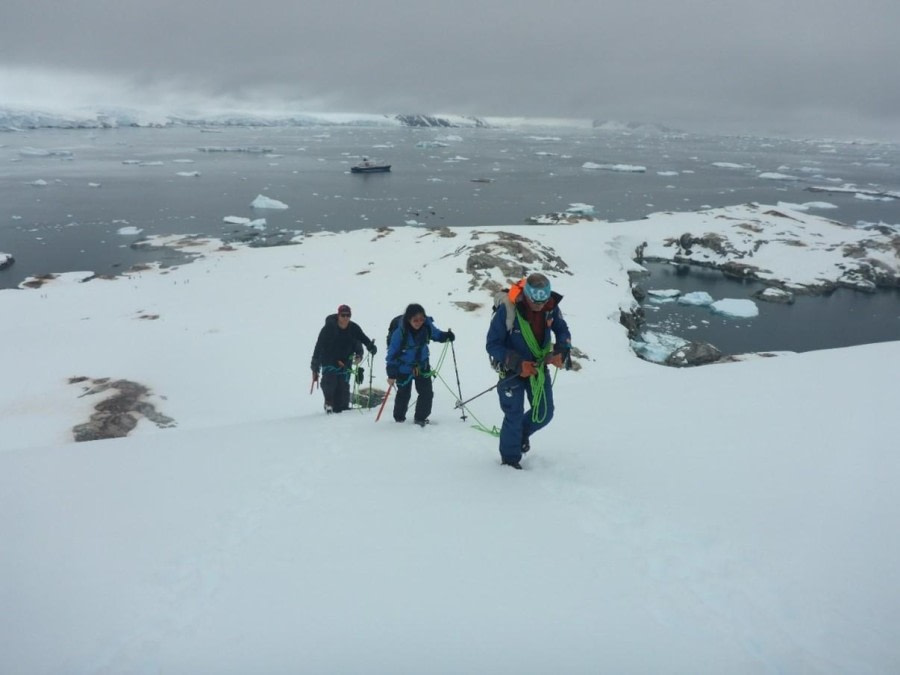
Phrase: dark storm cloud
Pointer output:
(721, 64)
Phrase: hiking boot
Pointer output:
(422, 423)
(400, 420)
(328, 408)
(514, 465)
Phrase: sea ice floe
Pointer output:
(656, 347)
(736, 308)
(663, 294)
(189, 174)
(625, 168)
(129, 230)
(773, 175)
(258, 223)
(696, 299)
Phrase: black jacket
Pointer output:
(336, 347)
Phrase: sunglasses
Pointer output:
(344, 316)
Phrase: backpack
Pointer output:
(508, 298)
(396, 321)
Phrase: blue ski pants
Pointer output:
(518, 424)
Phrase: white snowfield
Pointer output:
(735, 518)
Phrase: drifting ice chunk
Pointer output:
(773, 175)
(129, 230)
(263, 202)
(696, 299)
(627, 168)
(581, 209)
(656, 347)
(236, 220)
(740, 309)
(663, 294)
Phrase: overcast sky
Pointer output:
(793, 66)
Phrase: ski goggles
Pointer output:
(537, 294)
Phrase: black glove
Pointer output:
(393, 373)
(360, 375)
(450, 336)
(373, 350)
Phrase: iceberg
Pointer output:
(263, 202)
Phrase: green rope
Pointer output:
(538, 401)
(426, 373)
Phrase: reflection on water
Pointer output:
(842, 319)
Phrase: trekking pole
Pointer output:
(371, 363)
(386, 394)
(460, 404)
(458, 386)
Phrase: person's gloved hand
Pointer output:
(527, 369)
(373, 349)
(315, 375)
(556, 360)
(450, 336)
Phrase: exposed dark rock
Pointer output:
(693, 354)
(6, 260)
(116, 415)
(632, 321)
(512, 255)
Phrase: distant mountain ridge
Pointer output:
(17, 119)
(634, 127)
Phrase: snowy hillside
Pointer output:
(735, 518)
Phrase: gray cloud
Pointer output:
(816, 66)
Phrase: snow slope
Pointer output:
(734, 518)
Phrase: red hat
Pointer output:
(344, 309)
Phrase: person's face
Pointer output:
(535, 306)
(417, 321)
(343, 320)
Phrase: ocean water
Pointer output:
(842, 319)
(65, 195)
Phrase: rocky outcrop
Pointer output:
(117, 415)
(512, 255)
(693, 354)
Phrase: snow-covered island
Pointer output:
(736, 518)
(6, 259)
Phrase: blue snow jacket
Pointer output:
(408, 348)
(507, 348)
